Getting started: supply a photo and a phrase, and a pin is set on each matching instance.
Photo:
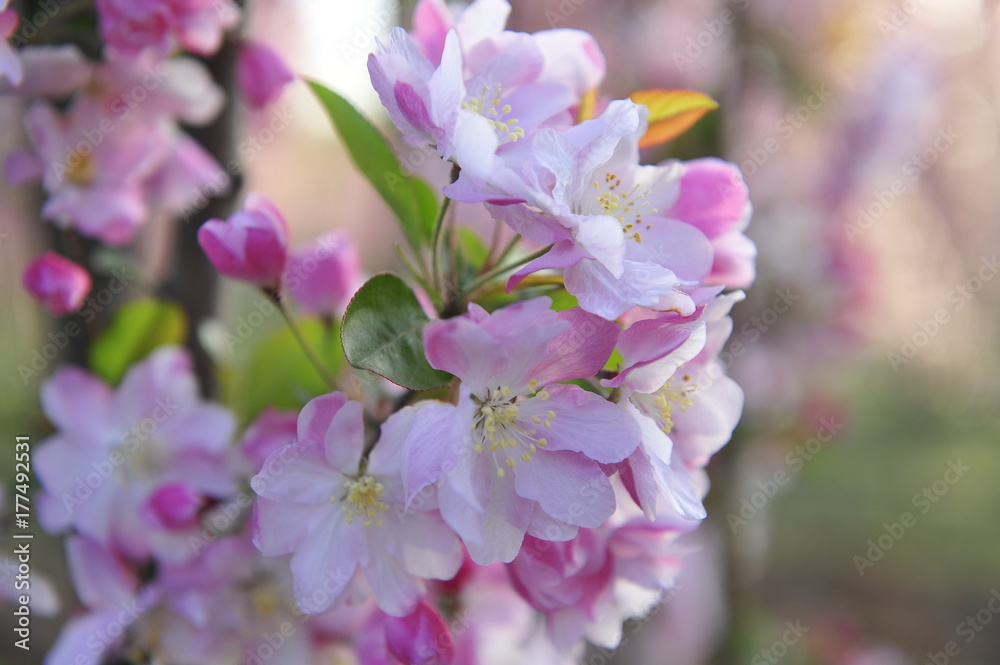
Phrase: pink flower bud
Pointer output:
(422, 638)
(325, 274)
(174, 506)
(57, 283)
(251, 245)
(261, 74)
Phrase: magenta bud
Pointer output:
(422, 638)
(57, 283)
(261, 74)
(174, 506)
(252, 245)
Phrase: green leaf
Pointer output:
(474, 249)
(412, 199)
(563, 300)
(382, 332)
(278, 372)
(136, 330)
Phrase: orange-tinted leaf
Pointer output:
(671, 112)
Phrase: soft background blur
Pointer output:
(868, 133)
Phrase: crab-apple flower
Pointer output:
(323, 275)
(713, 198)
(678, 392)
(132, 26)
(129, 467)
(115, 604)
(520, 452)
(261, 74)
(94, 181)
(588, 586)
(571, 58)
(606, 216)
(338, 513)
(10, 63)
(252, 245)
(56, 282)
(474, 91)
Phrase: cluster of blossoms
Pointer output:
(105, 137)
(552, 474)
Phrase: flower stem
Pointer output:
(508, 249)
(487, 277)
(321, 369)
(437, 245)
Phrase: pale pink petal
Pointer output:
(585, 423)
(579, 352)
(77, 402)
(568, 487)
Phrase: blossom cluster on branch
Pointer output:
(521, 478)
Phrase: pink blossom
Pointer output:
(338, 513)
(495, 626)
(10, 63)
(474, 91)
(252, 245)
(587, 587)
(261, 74)
(109, 590)
(570, 57)
(683, 401)
(606, 215)
(57, 282)
(714, 199)
(127, 468)
(94, 179)
(130, 26)
(325, 274)
(520, 452)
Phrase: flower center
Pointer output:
(82, 169)
(265, 600)
(139, 461)
(489, 105)
(660, 405)
(364, 500)
(500, 426)
(627, 207)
